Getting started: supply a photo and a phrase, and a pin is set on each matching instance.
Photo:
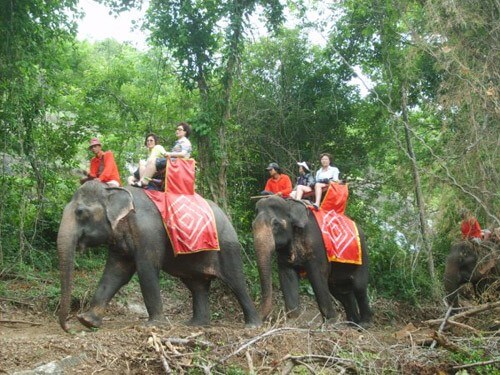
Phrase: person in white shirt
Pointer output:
(324, 175)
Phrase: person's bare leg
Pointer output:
(317, 193)
(301, 189)
(149, 171)
(142, 168)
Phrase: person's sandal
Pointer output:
(138, 184)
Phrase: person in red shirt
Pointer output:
(279, 183)
(470, 226)
(102, 166)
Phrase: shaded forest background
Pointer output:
(422, 144)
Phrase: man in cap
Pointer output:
(305, 181)
(279, 183)
(102, 166)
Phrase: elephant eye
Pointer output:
(81, 212)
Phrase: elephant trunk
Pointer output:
(66, 245)
(264, 248)
(452, 280)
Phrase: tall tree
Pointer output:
(207, 54)
(32, 34)
(464, 39)
(379, 38)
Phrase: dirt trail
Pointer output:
(398, 342)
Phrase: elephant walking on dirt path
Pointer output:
(288, 228)
(129, 223)
(477, 263)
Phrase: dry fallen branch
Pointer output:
(17, 302)
(260, 337)
(156, 342)
(476, 364)
(3, 321)
(443, 324)
(191, 342)
(250, 362)
(445, 343)
(465, 326)
(473, 311)
(324, 359)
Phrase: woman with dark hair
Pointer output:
(305, 181)
(324, 175)
(182, 149)
(154, 151)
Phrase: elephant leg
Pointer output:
(349, 304)
(149, 280)
(238, 286)
(319, 283)
(289, 282)
(116, 274)
(199, 291)
(365, 312)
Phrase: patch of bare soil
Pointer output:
(402, 340)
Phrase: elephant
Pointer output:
(468, 261)
(129, 223)
(288, 227)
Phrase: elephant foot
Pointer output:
(365, 325)
(90, 320)
(332, 320)
(293, 314)
(198, 322)
(254, 323)
(155, 322)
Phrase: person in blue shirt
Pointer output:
(305, 181)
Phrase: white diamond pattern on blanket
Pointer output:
(192, 219)
(338, 231)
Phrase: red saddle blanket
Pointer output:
(188, 219)
(335, 198)
(340, 234)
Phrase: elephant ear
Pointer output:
(299, 215)
(119, 203)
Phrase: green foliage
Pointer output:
(475, 355)
(278, 98)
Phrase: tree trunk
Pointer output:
(418, 190)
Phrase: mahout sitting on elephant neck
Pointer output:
(128, 223)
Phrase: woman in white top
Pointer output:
(324, 175)
(154, 151)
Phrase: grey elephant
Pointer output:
(289, 229)
(127, 221)
(477, 263)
